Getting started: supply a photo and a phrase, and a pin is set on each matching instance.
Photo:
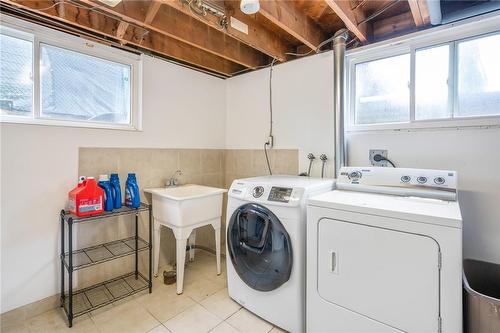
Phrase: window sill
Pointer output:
(65, 123)
(445, 124)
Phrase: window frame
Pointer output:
(451, 34)
(39, 35)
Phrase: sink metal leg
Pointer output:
(156, 247)
(181, 260)
(217, 248)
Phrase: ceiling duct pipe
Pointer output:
(435, 15)
(339, 47)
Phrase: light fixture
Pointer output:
(249, 6)
(111, 3)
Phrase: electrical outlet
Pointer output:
(374, 152)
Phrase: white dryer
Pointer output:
(266, 235)
(384, 253)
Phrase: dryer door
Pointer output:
(259, 247)
(390, 276)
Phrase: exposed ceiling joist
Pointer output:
(420, 12)
(288, 17)
(154, 6)
(135, 35)
(121, 30)
(393, 25)
(343, 9)
(258, 37)
(184, 28)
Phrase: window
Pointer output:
(431, 83)
(479, 77)
(16, 73)
(47, 77)
(80, 87)
(379, 100)
(426, 83)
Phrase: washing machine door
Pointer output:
(259, 247)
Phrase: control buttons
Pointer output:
(439, 180)
(405, 179)
(355, 175)
(258, 191)
(422, 180)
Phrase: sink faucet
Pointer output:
(173, 181)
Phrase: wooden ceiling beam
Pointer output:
(394, 25)
(136, 36)
(121, 30)
(420, 12)
(258, 36)
(184, 28)
(154, 6)
(343, 9)
(288, 17)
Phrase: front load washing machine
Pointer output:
(384, 253)
(266, 235)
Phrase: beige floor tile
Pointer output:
(128, 317)
(17, 328)
(224, 328)
(159, 329)
(194, 320)
(277, 330)
(220, 304)
(55, 321)
(201, 288)
(247, 322)
(165, 305)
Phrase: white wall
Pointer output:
(302, 105)
(39, 164)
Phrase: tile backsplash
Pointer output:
(211, 167)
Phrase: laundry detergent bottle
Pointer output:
(116, 190)
(105, 184)
(132, 198)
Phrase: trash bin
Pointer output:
(481, 296)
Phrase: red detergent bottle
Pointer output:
(87, 198)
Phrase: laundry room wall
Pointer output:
(302, 109)
(39, 165)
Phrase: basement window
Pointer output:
(51, 78)
(426, 83)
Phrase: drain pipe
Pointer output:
(339, 47)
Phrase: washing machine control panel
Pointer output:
(266, 193)
(280, 194)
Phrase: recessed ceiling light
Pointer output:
(249, 6)
(111, 3)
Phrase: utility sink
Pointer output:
(183, 209)
(186, 205)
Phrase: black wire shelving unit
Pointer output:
(78, 302)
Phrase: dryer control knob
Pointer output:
(405, 179)
(422, 180)
(258, 191)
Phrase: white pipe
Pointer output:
(435, 15)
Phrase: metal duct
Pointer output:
(339, 47)
(435, 15)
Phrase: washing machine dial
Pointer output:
(258, 191)
(355, 175)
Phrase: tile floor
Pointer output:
(203, 307)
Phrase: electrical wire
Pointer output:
(378, 12)
(269, 142)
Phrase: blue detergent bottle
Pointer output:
(132, 198)
(116, 190)
(105, 184)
